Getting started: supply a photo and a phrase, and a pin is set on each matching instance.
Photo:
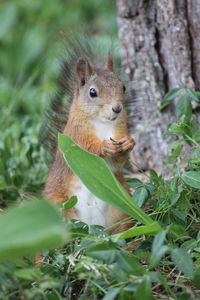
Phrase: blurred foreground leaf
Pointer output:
(30, 227)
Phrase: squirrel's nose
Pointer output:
(117, 109)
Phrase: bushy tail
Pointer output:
(56, 114)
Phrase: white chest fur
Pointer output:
(89, 208)
(104, 131)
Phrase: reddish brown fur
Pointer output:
(60, 178)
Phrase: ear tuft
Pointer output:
(84, 70)
(109, 63)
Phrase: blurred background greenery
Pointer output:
(32, 39)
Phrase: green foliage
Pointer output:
(32, 39)
(192, 178)
(183, 261)
(158, 249)
(70, 203)
(98, 178)
(31, 227)
(138, 230)
(93, 264)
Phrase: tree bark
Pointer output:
(160, 50)
(193, 14)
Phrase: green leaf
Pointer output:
(178, 214)
(144, 289)
(175, 154)
(182, 261)
(184, 107)
(30, 227)
(29, 274)
(193, 95)
(106, 251)
(78, 228)
(128, 263)
(98, 178)
(171, 95)
(8, 17)
(175, 129)
(192, 178)
(174, 183)
(194, 161)
(140, 196)
(155, 178)
(134, 182)
(135, 231)
(197, 277)
(70, 203)
(111, 294)
(158, 249)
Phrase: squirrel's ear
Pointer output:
(84, 70)
(109, 63)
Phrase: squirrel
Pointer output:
(97, 121)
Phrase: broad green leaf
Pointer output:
(78, 228)
(174, 183)
(175, 198)
(171, 95)
(106, 251)
(192, 178)
(182, 261)
(144, 289)
(98, 178)
(178, 214)
(155, 259)
(30, 227)
(158, 249)
(111, 294)
(70, 203)
(128, 263)
(184, 107)
(193, 95)
(140, 196)
(134, 182)
(135, 231)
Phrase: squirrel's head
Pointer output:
(99, 91)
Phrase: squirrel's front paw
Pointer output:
(110, 148)
(127, 143)
(113, 148)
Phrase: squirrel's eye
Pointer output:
(124, 88)
(93, 93)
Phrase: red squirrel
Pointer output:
(97, 121)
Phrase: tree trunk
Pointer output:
(160, 50)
